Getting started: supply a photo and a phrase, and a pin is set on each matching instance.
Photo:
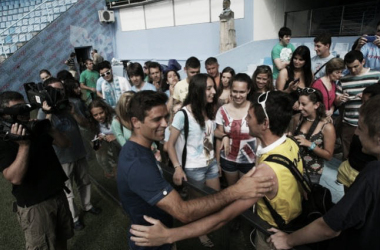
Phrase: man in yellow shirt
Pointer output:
(192, 67)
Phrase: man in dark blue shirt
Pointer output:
(142, 188)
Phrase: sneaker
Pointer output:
(78, 225)
(95, 210)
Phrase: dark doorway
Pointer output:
(82, 54)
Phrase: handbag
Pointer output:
(318, 202)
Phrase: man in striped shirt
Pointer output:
(349, 93)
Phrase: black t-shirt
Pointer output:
(357, 214)
(357, 159)
(44, 177)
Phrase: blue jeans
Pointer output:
(204, 173)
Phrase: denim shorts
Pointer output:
(232, 167)
(204, 173)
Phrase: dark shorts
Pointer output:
(46, 223)
(233, 167)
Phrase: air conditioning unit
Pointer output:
(106, 16)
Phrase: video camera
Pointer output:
(55, 98)
(19, 113)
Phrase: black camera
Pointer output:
(55, 98)
(19, 113)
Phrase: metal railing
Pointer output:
(347, 20)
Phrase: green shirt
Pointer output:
(89, 79)
(282, 52)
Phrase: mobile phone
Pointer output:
(296, 80)
(370, 39)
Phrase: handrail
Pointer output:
(13, 24)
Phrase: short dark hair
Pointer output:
(72, 54)
(284, 31)
(142, 102)
(211, 61)
(96, 51)
(192, 62)
(154, 65)
(64, 75)
(88, 60)
(324, 38)
(70, 85)
(135, 69)
(45, 71)
(279, 107)
(353, 55)
(104, 65)
(52, 80)
(370, 112)
(8, 96)
(372, 90)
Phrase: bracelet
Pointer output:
(177, 166)
(225, 135)
(312, 146)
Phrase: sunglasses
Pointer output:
(106, 74)
(262, 102)
(306, 90)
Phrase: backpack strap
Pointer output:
(311, 129)
(284, 161)
(186, 130)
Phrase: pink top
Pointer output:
(328, 96)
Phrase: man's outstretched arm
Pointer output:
(159, 234)
(316, 231)
(188, 211)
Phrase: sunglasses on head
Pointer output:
(106, 73)
(306, 90)
(262, 99)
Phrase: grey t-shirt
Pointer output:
(317, 63)
(65, 123)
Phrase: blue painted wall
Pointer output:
(77, 27)
(179, 42)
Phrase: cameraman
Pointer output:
(32, 167)
(72, 158)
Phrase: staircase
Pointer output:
(21, 20)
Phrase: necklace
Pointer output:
(310, 120)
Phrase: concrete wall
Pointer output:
(179, 42)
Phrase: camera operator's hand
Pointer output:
(17, 129)
(45, 106)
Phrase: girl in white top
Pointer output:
(200, 159)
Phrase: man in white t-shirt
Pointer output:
(322, 44)
(136, 75)
(110, 87)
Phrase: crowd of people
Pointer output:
(205, 126)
